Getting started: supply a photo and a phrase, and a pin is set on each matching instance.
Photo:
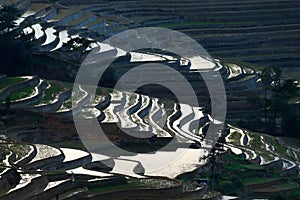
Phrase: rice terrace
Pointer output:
(221, 121)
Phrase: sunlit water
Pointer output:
(50, 36)
(63, 38)
(37, 31)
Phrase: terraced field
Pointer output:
(41, 153)
(46, 157)
(64, 157)
(229, 38)
(260, 32)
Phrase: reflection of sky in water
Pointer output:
(73, 154)
(106, 47)
(63, 38)
(37, 31)
(198, 63)
(50, 35)
(171, 164)
(141, 57)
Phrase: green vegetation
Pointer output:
(22, 93)
(230, 187)
(289, 185)
(294, 194)
(77, 95)
(256, 142)
(278, 148)
(233, 158)
(110, 90)
(51, 93)
(258, 180)
(281, 115)
(240, 177)
(250, 153)
(10, 81)
(266, 156)
(101, 91)
(235, 138)
(67, 104)
(69, 85)
(230, 174)
(233, 166)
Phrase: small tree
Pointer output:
(271, 79)
(15, 46)
(285, 107)
(8, 16)
(266, 79)
(78, 47)
(212, 156)
(280, 103)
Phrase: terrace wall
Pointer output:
(264, 185)
(73, 163)
(276, 165)
(68, 185)
(138, 193)
(245, 83)
(76, 110)
(11, 176)
(292, 171)
(55, 105)
(41, 40)
(27, 159)
(52, 192)
(104, 104)
(31, 100)
(27, 83)
(4, 185)
(50, 46)
(44, 162)
(111, 181)
(34, 186)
